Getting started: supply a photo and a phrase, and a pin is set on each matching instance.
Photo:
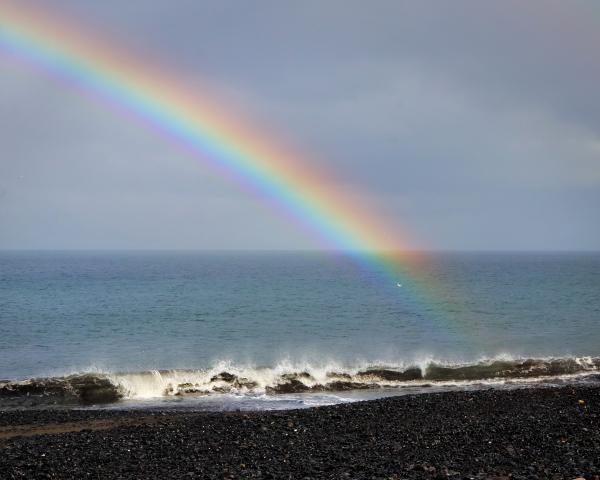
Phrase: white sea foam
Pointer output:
(285, 380)
(288, 376)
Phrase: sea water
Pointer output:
(317, 327)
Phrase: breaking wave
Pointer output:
(285, 378)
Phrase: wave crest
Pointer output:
(95, 388)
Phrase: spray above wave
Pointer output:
(95, 388)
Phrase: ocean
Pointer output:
(246, 330)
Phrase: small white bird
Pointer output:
(399, 285)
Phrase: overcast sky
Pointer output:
(471, 125)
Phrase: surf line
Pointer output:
(204, 128)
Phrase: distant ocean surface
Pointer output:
(287, 329)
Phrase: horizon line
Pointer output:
(296, 250)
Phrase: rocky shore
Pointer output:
(526, 433)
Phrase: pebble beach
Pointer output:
(522, 434)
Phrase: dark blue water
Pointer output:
(129, 312)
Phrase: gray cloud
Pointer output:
(473, 124)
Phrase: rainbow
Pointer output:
(285, 179)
